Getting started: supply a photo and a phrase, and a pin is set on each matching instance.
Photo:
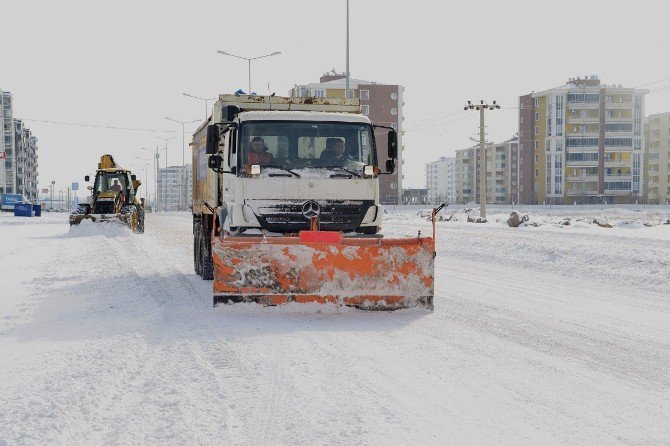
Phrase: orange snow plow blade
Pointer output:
(324, 267)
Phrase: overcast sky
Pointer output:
(127, 63)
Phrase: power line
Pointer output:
(99, 126)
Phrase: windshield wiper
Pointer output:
(273, 166)
(339, 167)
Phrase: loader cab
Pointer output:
(114, 182)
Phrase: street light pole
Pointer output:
(346, 88)
(481, 107)
(155, 156)
(182, 194)
(249, 59)
(205, 100)
(166, 165)
(146, 175)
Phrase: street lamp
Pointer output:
(146, 174)
(165, 140)
(205, 100)
(249, 59)
(155, 156)
(182, 197)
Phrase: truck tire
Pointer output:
(197, 255)
(206, 252)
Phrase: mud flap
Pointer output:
(324, 267)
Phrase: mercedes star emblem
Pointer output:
(311, 209)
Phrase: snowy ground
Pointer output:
(541, 335)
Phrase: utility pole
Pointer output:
(481, 107)
(346, 88)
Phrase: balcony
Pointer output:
(619, 119)
(618, 163)
(617, 192)
(582, 105)
(582, 178)
(583, 120)
(618, 177)
(581, 192)
(592, 163)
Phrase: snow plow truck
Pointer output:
(113, 197)
(286, 207)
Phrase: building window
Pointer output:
(537, 116)
(536, 102)
(319, 93)
(537, 130)
(365, 95)
(350, 94)
(365, 109)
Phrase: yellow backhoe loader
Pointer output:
(113, 197)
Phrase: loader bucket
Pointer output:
(324, 267)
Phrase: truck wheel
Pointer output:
(206, 256)
(197, 255)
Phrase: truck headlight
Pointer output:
(368, 171)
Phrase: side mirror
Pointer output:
(214, 162)
(133, 177)
(87, 178)
(213, 136)
(393, 144)
(390, 166)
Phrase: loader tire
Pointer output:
(197, 255)
(140, 220)
(206, 254)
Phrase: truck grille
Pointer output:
(342, 215)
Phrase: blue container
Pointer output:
(37, 208)
(23, 210)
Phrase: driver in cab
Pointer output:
(334, 152)
(259, 153)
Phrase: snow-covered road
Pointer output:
(539, 336)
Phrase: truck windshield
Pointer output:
(336, 147)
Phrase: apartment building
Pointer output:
(581, 142)
(657, 159)
(501, 173)
(441, 180)
(18, 153)
(174, 188)
(383, 104)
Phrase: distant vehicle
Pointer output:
(9, 200)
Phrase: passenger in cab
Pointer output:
(259, 153)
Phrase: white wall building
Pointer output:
(441, 180)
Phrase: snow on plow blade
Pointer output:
(75, 219)
(324, 267)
